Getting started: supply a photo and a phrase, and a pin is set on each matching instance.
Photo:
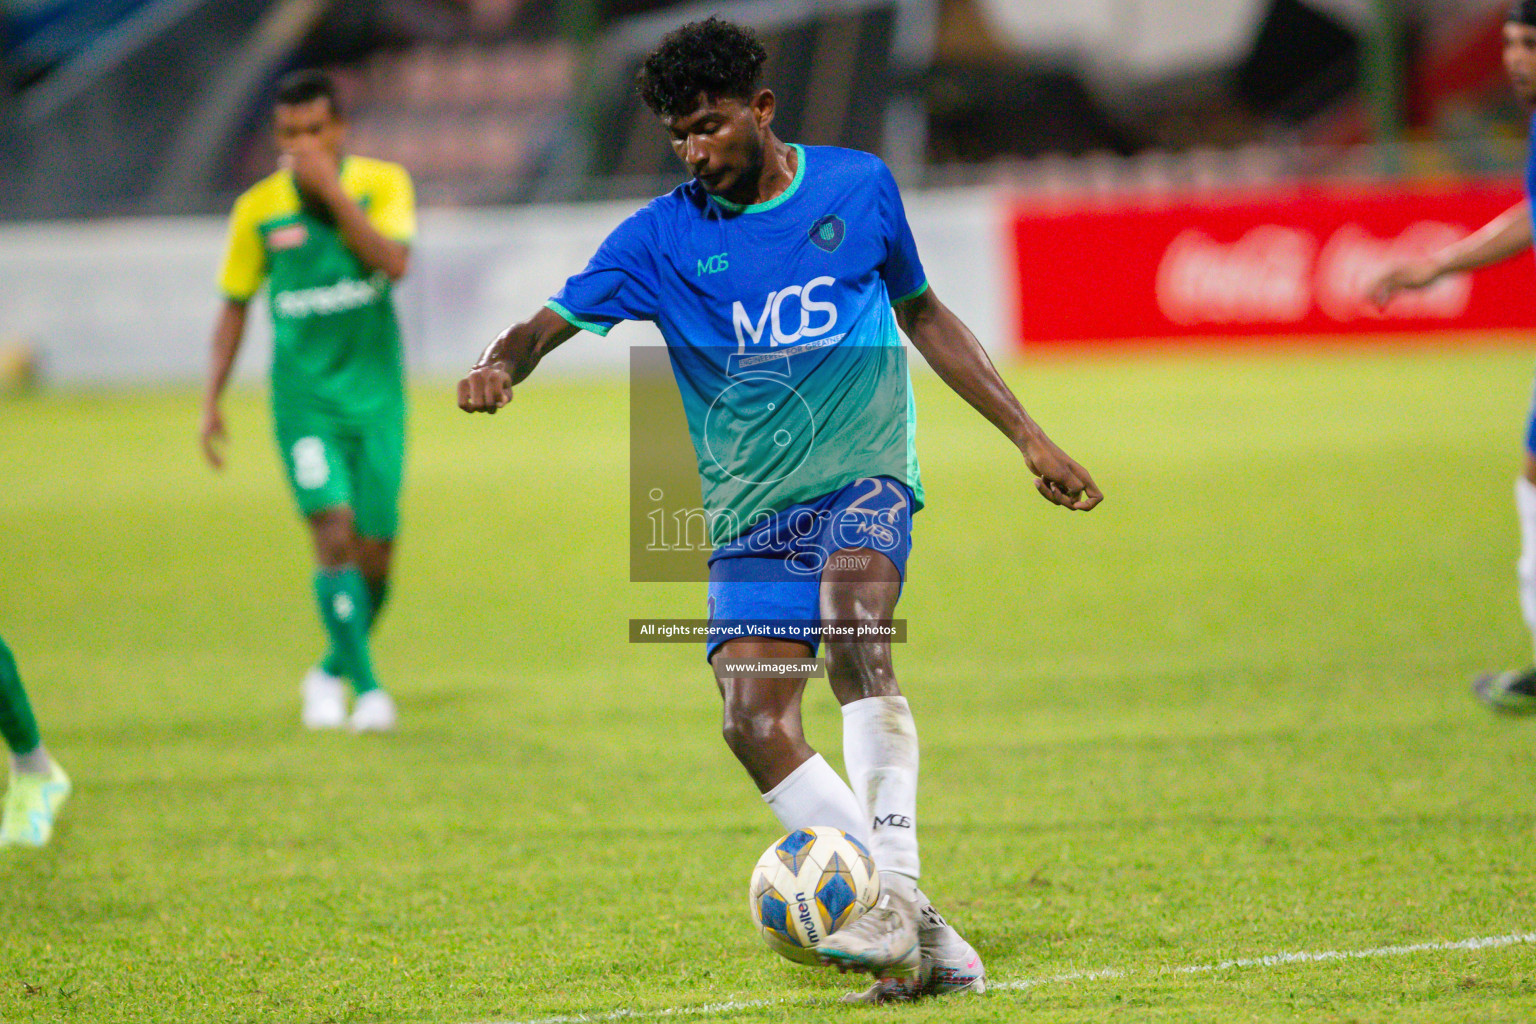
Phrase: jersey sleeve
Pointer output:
(392, 204)
(619, 283)
(245, 258)
(902, 269)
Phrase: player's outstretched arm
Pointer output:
(228, 330)
(510, 359)
(1508, 234)
(958, 358)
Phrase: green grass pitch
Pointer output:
(1224, 716)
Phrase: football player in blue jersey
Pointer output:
(1507, 235)
(778, 276)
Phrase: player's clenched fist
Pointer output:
(1058, 478)
(485, 389)
(1406, 277)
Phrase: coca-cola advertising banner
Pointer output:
(1296, 263)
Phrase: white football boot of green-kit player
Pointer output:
(31, 805)
(949, 965)
(325, 700)
(373, 712)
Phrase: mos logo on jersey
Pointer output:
(827, 233)
(816, 316)
(714, 264)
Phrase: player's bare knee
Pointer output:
(745, 734)
(373, 557)
(335, 542)
(857, 670)
(749, 731)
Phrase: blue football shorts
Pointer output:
(1530, 429)
(767, 582)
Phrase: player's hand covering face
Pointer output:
(315, 171)
(309, 137)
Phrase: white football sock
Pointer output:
(1525, 505)
(880, 753)
(814, 794)
(34, 762)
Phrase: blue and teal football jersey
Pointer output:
(778, 322)
(1530, 165)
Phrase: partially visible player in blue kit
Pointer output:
(1507, 235)
(778, 276)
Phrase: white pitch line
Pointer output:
(674, 1011)
(1273, 960)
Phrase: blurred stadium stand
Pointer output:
(151, 106)
(513, 114)
(844, 72)
(40, 35)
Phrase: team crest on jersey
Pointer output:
(289, 237)
(827, 233)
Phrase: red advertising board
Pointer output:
(1291, 263)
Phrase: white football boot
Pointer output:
(31, 805)
(374, 712)
(883, 942)
(949, 965)
(325, 700)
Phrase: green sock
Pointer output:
(345, 609)
(378, 593)
(17, 723)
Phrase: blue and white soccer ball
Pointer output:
(807, 885)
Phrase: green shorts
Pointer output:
(333, 463)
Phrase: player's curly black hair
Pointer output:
(714, 57)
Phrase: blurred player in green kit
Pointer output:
(328, 233)
(38, 785)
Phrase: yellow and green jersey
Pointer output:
(336, 344)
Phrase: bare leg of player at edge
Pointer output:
(1514, 692)
(903, 939)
